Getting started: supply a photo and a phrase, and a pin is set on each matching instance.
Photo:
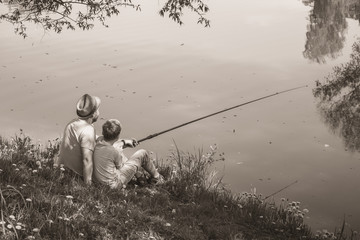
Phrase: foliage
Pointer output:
(339, 98)
(49, 202)
(175, 9)
(62, 14)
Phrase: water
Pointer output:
(153, 74)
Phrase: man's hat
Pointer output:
(87, 105)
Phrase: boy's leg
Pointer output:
(127, 172)
(142, 157)
(139, 159)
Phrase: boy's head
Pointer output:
(111, 129)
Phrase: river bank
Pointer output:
(43, 201)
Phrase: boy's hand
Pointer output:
(131, 143)
(134, 143)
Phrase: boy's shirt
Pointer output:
(107, 161)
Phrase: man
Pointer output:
(78, 143)
(110, 164)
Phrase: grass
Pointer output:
(43, 201)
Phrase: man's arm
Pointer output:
(88, 165)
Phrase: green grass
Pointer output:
(40, 201)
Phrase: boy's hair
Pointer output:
(111, 129)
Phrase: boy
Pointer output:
(111, 166)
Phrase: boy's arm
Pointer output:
(118, 160)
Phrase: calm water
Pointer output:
(152, 75)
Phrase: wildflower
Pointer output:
(24, 185)
(66, 219)
(298, 228)
(28, 200)
(101, 211)
(38, 163)
(36, 230)
(60, 218)
(12, 217)
(9, 226)
(50, 221)
(62, 169)
(30, 237)
(81, 235)
(261, 217)
(35, 171)
(2, 222)
(14, 165)
(18, 227)
(16, 169)
(168, 225)
(69, 197)
(305, 210)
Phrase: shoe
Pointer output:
(157, 180)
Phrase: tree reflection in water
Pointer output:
(339, 100)
(327, 27)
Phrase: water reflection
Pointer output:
(325, 36)
(339, 100)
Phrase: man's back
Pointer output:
(77, 134)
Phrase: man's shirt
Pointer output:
(78, 134)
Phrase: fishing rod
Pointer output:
(215, 113)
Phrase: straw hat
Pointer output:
(87, 105)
